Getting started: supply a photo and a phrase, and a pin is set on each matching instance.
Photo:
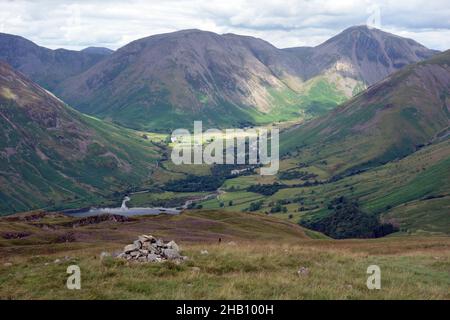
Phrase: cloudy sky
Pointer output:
(113, 23)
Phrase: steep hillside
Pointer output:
(167, 81)
(390, 120)
(44, 66)
(50, 153)
(361, 53)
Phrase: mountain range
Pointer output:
(53, 156)
(169, 80)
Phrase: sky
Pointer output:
(288, 23)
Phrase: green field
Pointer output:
(401, 191)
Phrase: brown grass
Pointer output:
(257, 259)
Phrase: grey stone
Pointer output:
(129, 248)
(146, 245)
(134, 253)
(171, 254)
(104, 254)
(143, 238)
(173, 245)
(152, 257)
(138, 244)
(303, 272)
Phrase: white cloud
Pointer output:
(77, 24)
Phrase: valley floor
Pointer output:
(258, 258)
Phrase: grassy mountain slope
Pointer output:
(392, 119)
(51, 154)
(166, 81)
(413, 193)
(387, 148)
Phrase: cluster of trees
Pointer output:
(270, 189)
(291, 175)
(347, 220)
(255, 206)
(278, 207)
(195, 184)
(274, 207)
(266, 189)
(192, 183)
(194, 205)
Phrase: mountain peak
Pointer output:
(98, 50)
(361, 27)
(372, 53)
(45, 66)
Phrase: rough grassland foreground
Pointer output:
(258, 258)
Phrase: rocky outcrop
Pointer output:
(97, 219)
(150, 249)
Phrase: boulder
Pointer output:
(152, 257)
(138, 244)
(173, 245)
(143, 238)
(303, 272)
(135, 253)
(104, 254)
(129, 248)
(171, 254)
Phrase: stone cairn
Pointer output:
(149, 249)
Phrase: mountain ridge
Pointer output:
(45, 66)
(230, 79)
